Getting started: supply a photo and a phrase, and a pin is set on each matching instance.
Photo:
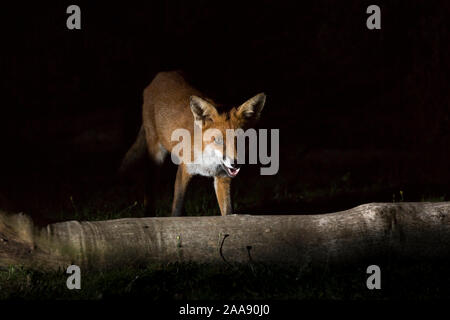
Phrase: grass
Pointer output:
(189, 281)
(94, 197)
(260, 195)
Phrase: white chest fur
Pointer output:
(207, 164)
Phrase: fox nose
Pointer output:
(236, 165)
(232, 163)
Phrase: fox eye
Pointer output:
(218, 140)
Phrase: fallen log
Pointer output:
(411, 229)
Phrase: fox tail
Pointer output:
(135, 154)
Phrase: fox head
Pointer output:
(219, 148)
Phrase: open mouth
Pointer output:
(231, 172)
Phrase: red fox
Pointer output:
(171, 103)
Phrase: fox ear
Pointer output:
(251, 109)
(202, 109)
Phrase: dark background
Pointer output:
(363, 114)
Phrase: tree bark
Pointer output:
(403, 229)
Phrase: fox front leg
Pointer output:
(222, 185)
(181, 183)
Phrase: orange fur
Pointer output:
(171, 103)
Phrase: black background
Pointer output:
(345, 98)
